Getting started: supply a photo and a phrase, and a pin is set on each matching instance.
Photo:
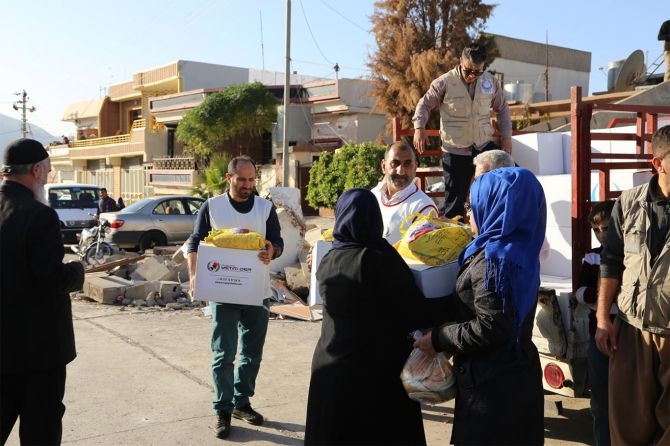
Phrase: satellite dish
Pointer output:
(630, 71)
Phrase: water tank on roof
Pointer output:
(511, 91)
(525, 92)
(613, 69)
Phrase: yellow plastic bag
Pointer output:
(432, 241)
(327, 235)
(236, 238)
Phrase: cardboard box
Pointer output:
(321, 247)
(434, 281)
(234, 276)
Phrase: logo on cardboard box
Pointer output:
(215, 266)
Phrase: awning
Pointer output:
(83, 109)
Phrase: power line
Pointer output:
(345, 17)
(309, 28)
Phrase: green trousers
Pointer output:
(234, 383)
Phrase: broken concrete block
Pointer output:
(313, 235)
(292, 234)
(167, 290)
(288, 197)
(296, 280)
(166, 251)
(107, 290)
(138, 289)
(178, 272)
(152, 268)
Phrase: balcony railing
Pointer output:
(117, 139)
(180, 163)
(138, 124)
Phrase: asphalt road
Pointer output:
(142, 378)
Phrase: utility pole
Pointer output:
(546, 69)
(287, 90)
(21, 103)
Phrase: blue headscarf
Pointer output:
(358, 221)
(510, 211)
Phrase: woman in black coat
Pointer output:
(497, 367)
(371, 304)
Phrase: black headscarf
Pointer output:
(358, 221)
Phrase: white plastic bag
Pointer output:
(428, 379)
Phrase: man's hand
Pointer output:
(420, 140)
(425, 344)
(266, 255)
(604, 337)
(191, 288)
(506, 144)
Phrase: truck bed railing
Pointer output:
(584, 161)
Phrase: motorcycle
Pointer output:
(92, 247)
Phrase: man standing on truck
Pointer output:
(465, 96)
(636, 259)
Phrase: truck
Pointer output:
(76, 206)
(579, 166)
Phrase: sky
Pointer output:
(72, 50)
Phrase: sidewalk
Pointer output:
(142, 378)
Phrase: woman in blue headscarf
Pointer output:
(370, 305)
(498, 372)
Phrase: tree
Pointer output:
(354, 165)
(417, 41)
(246, 109)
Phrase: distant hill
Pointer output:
(10, 129)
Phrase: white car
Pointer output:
(76, 206)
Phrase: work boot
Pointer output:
(222, 429)
(249, 415)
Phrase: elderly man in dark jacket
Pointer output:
(36, 331)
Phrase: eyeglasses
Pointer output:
(471, 72)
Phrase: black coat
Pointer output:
(371, 304)
(36, 331)
(500, 398)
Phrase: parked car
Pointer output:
(76, 206)
(155, 221)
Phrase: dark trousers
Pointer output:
(598, 363)
(36, 399)
(457, 171)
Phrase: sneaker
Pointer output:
(222, 429)
(249, 415)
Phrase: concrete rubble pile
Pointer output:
(161, 281)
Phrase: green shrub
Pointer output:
(214, 182)
(354, 165)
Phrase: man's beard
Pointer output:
(243, 193)
(39, 192)
(399, 181)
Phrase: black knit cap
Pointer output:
(22, 151)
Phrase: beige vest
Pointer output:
(465, 121)
(644, 301)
